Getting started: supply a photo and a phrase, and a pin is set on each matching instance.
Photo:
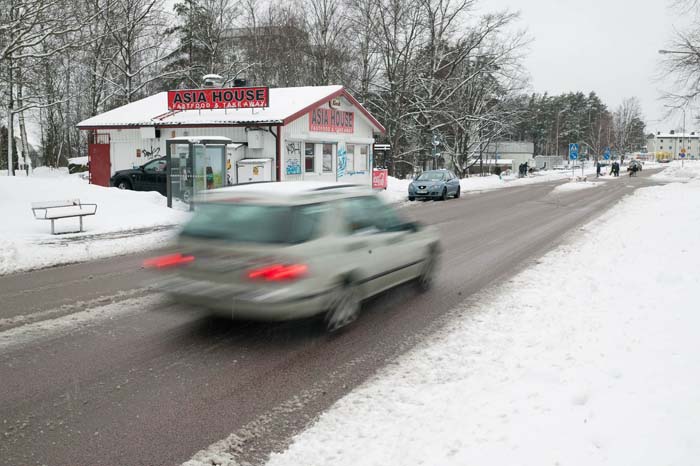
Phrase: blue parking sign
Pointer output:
(606, 155)
(573, 151)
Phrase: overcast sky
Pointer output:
(607, 46)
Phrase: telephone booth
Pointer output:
(195, 165)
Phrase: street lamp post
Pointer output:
(679, 52)
(682, 109)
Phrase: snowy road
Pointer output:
(94, 370)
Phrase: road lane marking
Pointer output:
(59, 326)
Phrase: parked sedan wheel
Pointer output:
(411, 198)
(344, 308)
(443, 197)
(124, 184)
(458, 193)
(427, 276)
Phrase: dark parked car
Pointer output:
(148, 177)
(434, 184)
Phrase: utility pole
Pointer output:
(683, 139)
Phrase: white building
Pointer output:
(307, 133)
(515, 152)
(670, 145)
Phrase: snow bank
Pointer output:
(568, 363)
(679, 172)
(575, 186)
(27, 243)
(49, 172)
(397, 190)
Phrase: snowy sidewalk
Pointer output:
(589, 357)
(126, 221)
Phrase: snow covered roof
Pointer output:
(196, 139)
(286, 105)
(677, 135)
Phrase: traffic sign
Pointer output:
(682, 155)
(606, 155)
(682, 150)
(573, 151)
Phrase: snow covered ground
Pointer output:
(677, 171)
(27, 243)
(590, 357)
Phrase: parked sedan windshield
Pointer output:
(431, 176)
(255, 223)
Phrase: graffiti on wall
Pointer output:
(342, 162)
(293, 162)
(149, 154)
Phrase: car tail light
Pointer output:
(171, 260)
(278, 272)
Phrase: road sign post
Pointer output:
(573, 155)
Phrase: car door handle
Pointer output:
(356, 245)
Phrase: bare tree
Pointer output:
(326, 25)
(628, 125)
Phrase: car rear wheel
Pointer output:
(123, 184)
(458, 193)
(344, 307)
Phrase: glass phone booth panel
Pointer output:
(181, 172)
(195, 167)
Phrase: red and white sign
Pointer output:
(211, 99)
(380, 178)
(329, 120)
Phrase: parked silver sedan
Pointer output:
(434, 184)
(278, 251)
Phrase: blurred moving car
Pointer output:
(434, 184)
(278, 251)
(148, 177)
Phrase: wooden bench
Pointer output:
(54, 210)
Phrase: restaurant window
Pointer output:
(309, 158)
(327, 158)
(361, 156)
(350, 154)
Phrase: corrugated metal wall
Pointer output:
(129, 148)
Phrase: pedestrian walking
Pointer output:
(597, 168)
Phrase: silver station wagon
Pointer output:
(278, 251)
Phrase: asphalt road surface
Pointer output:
(96, 370)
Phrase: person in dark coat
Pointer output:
(597, 168)
(616, 168)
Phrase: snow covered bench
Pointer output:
(54, 210)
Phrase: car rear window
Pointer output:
(256, 223)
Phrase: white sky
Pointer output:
(607, 46)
